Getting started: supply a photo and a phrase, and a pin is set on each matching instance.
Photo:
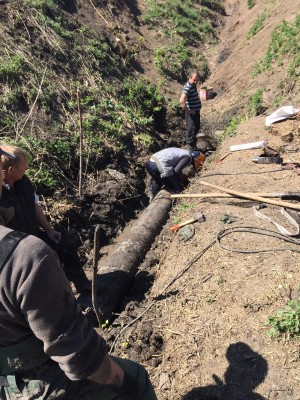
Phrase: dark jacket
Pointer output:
(17, 207)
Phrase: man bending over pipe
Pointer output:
(165, 168)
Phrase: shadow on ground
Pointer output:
(246, 370)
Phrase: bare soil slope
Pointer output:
(205, 335)
(233, 60)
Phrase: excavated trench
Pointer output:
(128, 228)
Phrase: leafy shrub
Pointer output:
(251, 3)
(172, 61)
(286, 321)
(230, 130)
(257, 25)
(45, 6)
(142, 96)
(12, 67)
(186, 19)
(256, 103)
(284, 45)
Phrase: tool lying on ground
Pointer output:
(253, 197)
(199, 217)
(280, 195)
(223, 157)
(265, 159)
(269, 156)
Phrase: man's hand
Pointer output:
(54, 235)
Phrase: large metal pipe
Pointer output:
(116, 271)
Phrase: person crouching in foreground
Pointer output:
(48, 349)
(20, 211)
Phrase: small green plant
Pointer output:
(125, 345)
(278, 99)
(12, 67)
(45, 6)
(185, 206)
(210, 300)
(220, 280)
(251, 3)
(144, 139)
(286, 321)
(176, 106)
(106, 325)
(257, 25)
(230, 130)
(256, 103)
(176, 220)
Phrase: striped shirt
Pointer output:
(192, 101)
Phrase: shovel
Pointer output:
(199, 217)
(281, 195)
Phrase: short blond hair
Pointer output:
(18, 152)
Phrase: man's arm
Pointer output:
(182, 100)
(184, 162)
(43, 222)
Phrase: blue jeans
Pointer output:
(171, 183)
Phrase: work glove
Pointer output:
(129, 388)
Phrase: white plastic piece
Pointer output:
(282, 113)
(247, 146)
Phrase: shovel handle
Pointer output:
(189, 221)
(291, 196)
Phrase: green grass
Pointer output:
(172, 61)
(251, 3)
(12, 67)
(257, 25)
(184, 28)
(283, 49)
(230, 130)
(187, 19)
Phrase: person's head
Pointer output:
(3, 154)
(193, 76)
(198, 159)
(13, 168)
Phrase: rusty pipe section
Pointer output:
(116, 271)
